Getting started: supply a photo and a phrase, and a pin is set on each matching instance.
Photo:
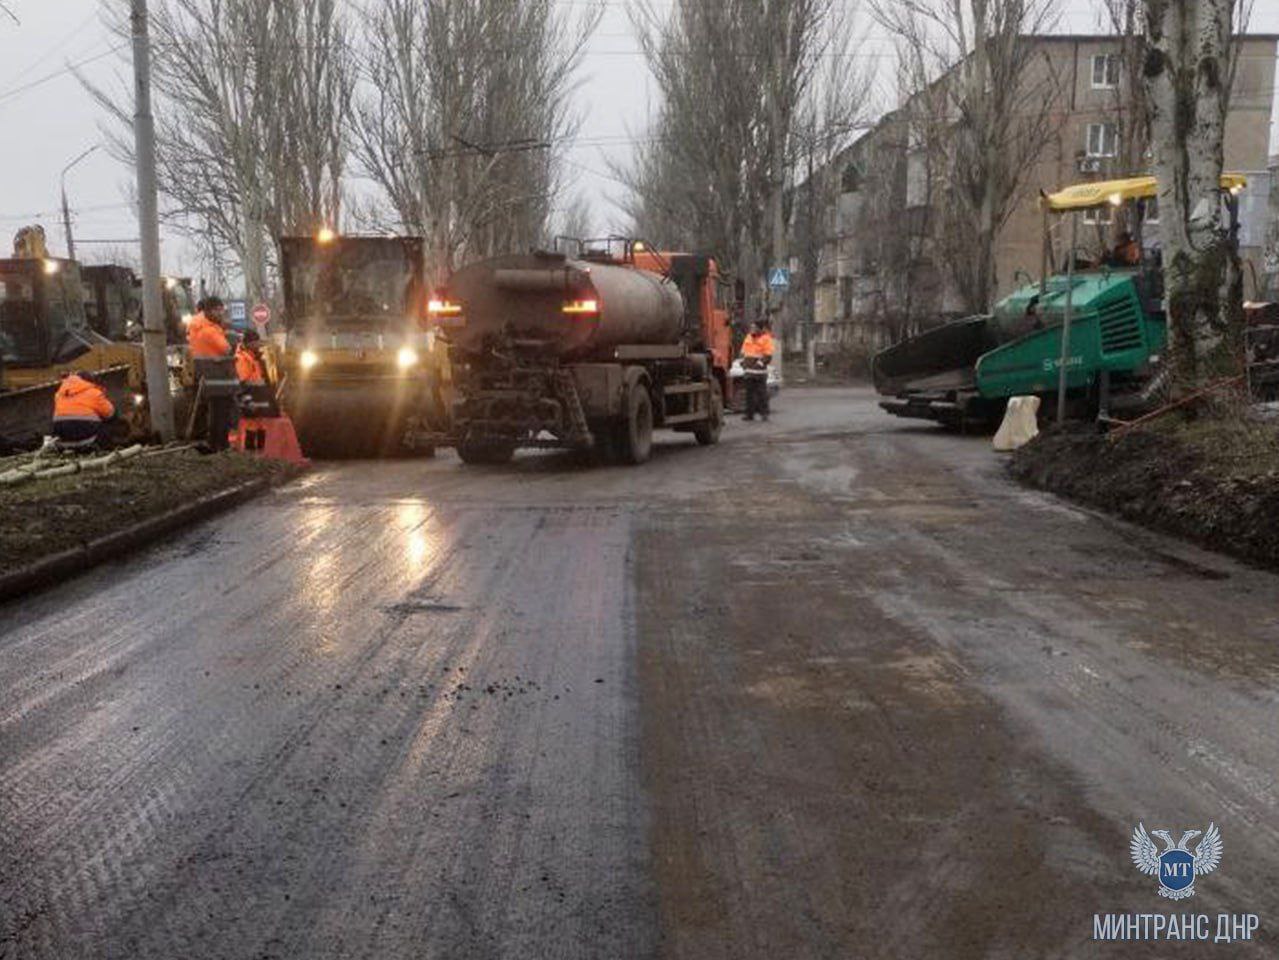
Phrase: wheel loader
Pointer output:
(44, 333)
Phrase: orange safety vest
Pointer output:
(206, 339)
(1129, 253)
(248, 367)
(758, 345)
(78, 399)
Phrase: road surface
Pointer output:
(834, 688)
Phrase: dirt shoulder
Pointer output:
(40, 518)
(1213, 481)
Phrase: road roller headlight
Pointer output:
(308, 359)
(406, 357)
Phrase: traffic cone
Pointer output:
(282, 440)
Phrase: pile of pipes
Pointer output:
(40, 468)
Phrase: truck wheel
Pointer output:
(486, 451)
(707, 432)
(637, 430)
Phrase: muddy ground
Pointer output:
(1213, 480)
(43, 517)
(836, 688)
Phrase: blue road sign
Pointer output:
(779, 278)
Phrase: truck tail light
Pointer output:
(581, 307)
(441, 307)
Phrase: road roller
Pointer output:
(592, 352)
(362, 374)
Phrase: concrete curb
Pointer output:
(54, 569)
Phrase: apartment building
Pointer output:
(876, 271)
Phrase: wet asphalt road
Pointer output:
(834, 688)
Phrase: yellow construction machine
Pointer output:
(44, 333)
(361, 375)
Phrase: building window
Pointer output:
(1105, 71)
(1099, 216)
(1103, 140)
(1150, 211)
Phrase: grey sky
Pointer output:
(49, 123)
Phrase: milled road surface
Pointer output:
(834, 688)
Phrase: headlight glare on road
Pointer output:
(407, 357)
(308, 359)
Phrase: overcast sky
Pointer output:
(46, 124)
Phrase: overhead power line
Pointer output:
(12, 92)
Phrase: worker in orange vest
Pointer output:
(255, 393)
(757, 354)
(214, 369)
(80, 408)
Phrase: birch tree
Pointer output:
(1187, 73)
(981, 104)
(463, 108)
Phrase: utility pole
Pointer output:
(812, 258)
(66, 208)
(154, 339)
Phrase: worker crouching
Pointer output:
(80, 412)
(218, 384)
(255, 398)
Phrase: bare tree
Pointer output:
(464, 107)
(1188, 71)
(745, 103)
(251, 102)
(980, 105)
(575, 220)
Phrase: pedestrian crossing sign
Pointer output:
(779, 278)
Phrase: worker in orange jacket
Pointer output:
(757, 354)
(214, 369)
(255, 393)
(80, 408)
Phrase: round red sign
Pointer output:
(261, 314)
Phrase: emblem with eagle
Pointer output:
(1176, 867)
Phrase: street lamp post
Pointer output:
(66, 208)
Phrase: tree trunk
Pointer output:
(1187, 85)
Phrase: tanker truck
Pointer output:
(592, 352)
